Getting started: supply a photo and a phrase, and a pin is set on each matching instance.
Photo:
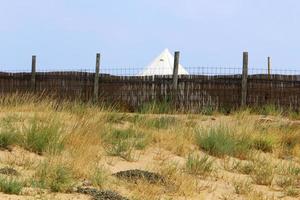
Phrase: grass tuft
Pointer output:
(264, 144)
(10, 186)
(163, 122)
(122, 142)
(219, 141)
(155, 107)
(197, 165)
(242, 187)
(57, 177)
(41, 137)
(262, 172)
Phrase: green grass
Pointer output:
(270, 109)
(197, 165)
(57, 177)
(8, 138)
(9, 134)
(42, 137)
(117, 118)
(162, 107)
(10, 186)
(263, 143)
(220, 141)
(122, 142)
(208, 110)
(163, 122)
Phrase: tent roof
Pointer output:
(163, 65)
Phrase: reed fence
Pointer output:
(204, 87)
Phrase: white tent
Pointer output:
(163, 65)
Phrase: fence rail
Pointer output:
(204, 87)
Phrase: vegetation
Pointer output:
(59, 146)
(220, 141)
(57, 177)
(41, 137)
(10, 186)
(197, 165)
(263, 171)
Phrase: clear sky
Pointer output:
(68, 33)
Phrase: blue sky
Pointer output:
(68, 33)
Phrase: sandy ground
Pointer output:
(212, 188)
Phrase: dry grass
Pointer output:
(84, 144)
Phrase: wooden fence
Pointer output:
(190, 92)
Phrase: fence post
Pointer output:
(269, 67)
(33, 73)
(175, 77)
(96, 81)
(244, 79)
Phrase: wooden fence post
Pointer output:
(33, 73)
(269, 67)
(96, 81)
(244, 79)
(175, 77)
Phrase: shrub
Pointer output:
(43, 137)
(57, 177)
(199, 165)
(10, 186)
(219, 141)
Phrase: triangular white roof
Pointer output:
(163, 65)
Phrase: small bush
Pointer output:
(41, 137)
(57, 177)
(10, 186)
(263, 172)
(219, 141)
(197, 165)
